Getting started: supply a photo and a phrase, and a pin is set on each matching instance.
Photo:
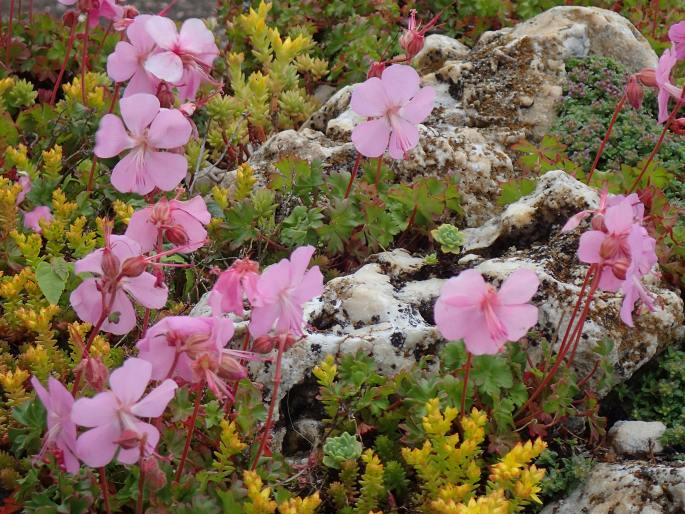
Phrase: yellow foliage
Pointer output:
(259, 497)
(326, 372)
(95, 92)
(52, 162)
(298, 505)
(122, 211)
(12, 382)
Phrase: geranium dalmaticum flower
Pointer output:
(471, 309)
(119, 271)
(282, 290)
(606, 200)
(61, 433)
(114, 416)
(32, 218)
(397, 104)
(179, 222)
(128, 59)
(643, 253)
(412, 39)
(186, 57)
(663, 79)
(150, 130)
(237, 282)
(96, 9)
(677, 36)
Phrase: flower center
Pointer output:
(496, 329)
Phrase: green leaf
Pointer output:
(491, 373)
(515, 189)
(52, 278)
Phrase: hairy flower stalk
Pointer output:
(70, 17)
(199, 392)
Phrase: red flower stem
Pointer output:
(141, 479)
(67, 54)
(355, 169)
(146, 322)
(8, 42)
(583, 317)
(467, 370)
(272, 405)
(105, 489)
(600, 150)
(656, 148)
(378, 172)
(199, 390)
(563, 347)
(230, 401)
(84, 58)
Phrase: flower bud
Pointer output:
(678, 126)
(231, 368)
(165, 97)
(129, 439)
(620, 268)
(412, 43)
(110, 263)
(161, 212)
(69, 19)
(154, 476)
(176, 235)
(134, 266)
(375, 70)
(634, 93)
(94, 371)
(287, 339)
(597, 223)
(130, 11)
(647, 77)
(608, 248)
(263, 344)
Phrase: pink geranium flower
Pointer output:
(180, 222)
(150, 129)
(107, 9)
(61, 432)
(663, 80)
(32, 218)
(119, 272)
(397, 104)
(677, 36)
(186, 57)
(114, 416)
(412, 39)
(606, 200)
(282, 290)
(238, 281)
(470, 309)
(127, 60)
(643, 253)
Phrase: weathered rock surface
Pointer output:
(637, 487)
(637, 438)
(437, 49)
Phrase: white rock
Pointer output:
(437, 49)
(637, 438)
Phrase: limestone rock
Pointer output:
(637, 438)
(630, 488)
(437, 49)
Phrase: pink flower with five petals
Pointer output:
(237, 281)
(107, 9)
(150, 129)
(471, 309)
(114, 416)
(397, 105)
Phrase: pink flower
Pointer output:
(677, 36)
(180, 222)
(61, 432)
(186, 57)
(150, 129)
(643, 259)
(470, 309)
(115, 416)
(413, 38)
(237, 281)
(119, 270)
(99, 8)
(282, 290)
(606, 200)
(397, 104)
(25, 182)
(127, 60)
(32, 218)
(663, 80)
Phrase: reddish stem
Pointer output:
(378, 172)
(355, 169)
(84, 58)
(105, 489)
(198, 398)
(467, 370)
(141, 479)
(272, 405)
(9, 34)
(656, 148)
(67, 54)
(600, 150)
(583, 317)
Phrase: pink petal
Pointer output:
(310, 287)
(123, 312)
(162, 31)
(196, 233)
(420, 106)
(170, 129)
(132, 455)
(96, 411)
(158, 353)
(124, 247)
(189, 84)
(141, 82)
(138, 111)
(129, 381)
(196, 207)
(677, 35)
(274, 280)
(369, 98)
(142, 230)
(619, 218)
(401, 82)
(575, 220)
(370, 138)
(517, 319)
(165, 66)
(290, 319)
(155, 402)
(519, 287)
(167, 170)
(299, 261)
(197, 39)
(32, 218)
(123, 62)
(145, 290)
(62, 400)
(589, 245)
(111, 138)
(86, 301)
(138, 35)
(662, 99)
(478, 340)
(71, 462)
(453, 323)
(108, 10)
(42, 393)
(96, 447)
(403, 138)
(263, 318)
(131, 174)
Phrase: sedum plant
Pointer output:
(339, 449)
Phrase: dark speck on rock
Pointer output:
(397, 339)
